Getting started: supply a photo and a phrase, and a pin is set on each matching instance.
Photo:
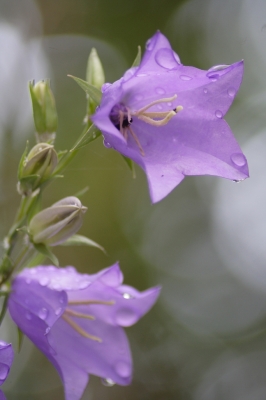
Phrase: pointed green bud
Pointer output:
(57, 223)
(94, 76)
(44, 111)
(95, 73)
(36, 167)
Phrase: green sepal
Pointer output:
(79, 240)
(138, 58)
(61, 153)
(82, 192)
(20, 338)
(131, 165)
(41, 248)
(37, 109)
(89, 136)
(91, 90)
(22, 160)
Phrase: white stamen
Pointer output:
(78, 329)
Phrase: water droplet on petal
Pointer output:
(107, 144)
(150, 44)
(123, 369)
(47, 330)
(220, 67)
(43, 313)
(177, 58)
(185, 77)
(138, 97)
(61, 299)
(128, 74)
(28, 316)
(238, 159)
(205, 91)
(4, 370)
(108, 382)
(141, 74)
(159, 106)
(105, 86)
(159, 90)
(44, 281)
(169, 104)
(126, 317)
(84, 284)
(127, 296)
(218, 114)
(165, 58)
(58, 311)
(231, 92)
(215, 72)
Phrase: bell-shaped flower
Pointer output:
(168, 118)
(76, 320)
(6, 359)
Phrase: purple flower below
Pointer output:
(76, 320)
(168, 118)
(6, 359)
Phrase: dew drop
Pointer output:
(58, 311)
(44, 281)
(218, 114)
(238, 159)
(219, 67)
(123, 369)
(107, 144)
(159, 106)
(83, 284)
(61, 299)
(105, 86)
(205, 91)
(128, 74)
(28, 316)
(4, 370)
(141, 74)
(169, 104)
(43, 313)
(150, 44)
(174, 140)
(127, 296)
(159, 90)
(138, 97)
(108, 382)
(165, 58)
(185, 77)
(177, 58)
(231, 92)
(47, 330)
(126, 317)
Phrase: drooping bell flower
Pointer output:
(6, 359)
(77, 321)
(168, 118)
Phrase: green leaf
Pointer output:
(20, 338)
(131, 165)
(91, 90)
(41, 248)
(79, 240)
(82, 192)
(89, 136)
(137, 59)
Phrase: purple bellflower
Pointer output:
(168, 118)
(76, 320)
(6, 359)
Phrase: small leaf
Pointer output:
(22, 160)
(79, 240)
(131, 165)
(138, 58)
(82, 192)
(41, 248)
(20, 338)
(91, 90)
(89, 136)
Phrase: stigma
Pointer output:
(122, 117)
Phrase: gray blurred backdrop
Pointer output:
(205, 243)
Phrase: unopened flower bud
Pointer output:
(44, 111)
(94, 76)
(57, 223)
(37, 167)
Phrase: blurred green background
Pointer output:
(205, 243)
